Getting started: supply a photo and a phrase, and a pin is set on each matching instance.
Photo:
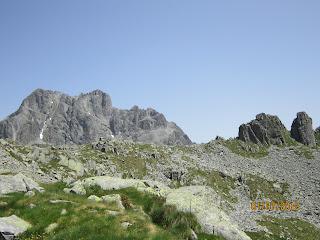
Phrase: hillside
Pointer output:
(221, 178)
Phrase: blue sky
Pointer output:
(207, 65)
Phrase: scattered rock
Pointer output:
(94, 198)
(63, 212)
(193, 235)
(13, 224)
(7, 236)
(17, 183)
(174, 175)
(61, 201)
(31, 205)
(77, 189)
(277, 187)
(30, 194)
(113, 213)
(113, 198)
(302, 131)
(125, 225)
(51, 227)
(72, 164)
(114, 183)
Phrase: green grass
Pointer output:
(130, 163)
(304, 151)
(221, 183)
(256, 184)
(249, 150)
(289, 140)
(178, 223)
(282, 229)
(151, 218)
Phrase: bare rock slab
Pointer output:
(17, 183)
(13, 224)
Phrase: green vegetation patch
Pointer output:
(268, 189)
(249, 150)
(220, 182)
(15, 155)
(131, 165)
(289, 140)
(85, 219)
(282, 229)
(304, 151)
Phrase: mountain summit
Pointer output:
(54, 117)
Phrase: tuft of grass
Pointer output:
(221, 183)
(289, 141)
(304, 151)
(249, 150)
(281, 229)
(258, 184)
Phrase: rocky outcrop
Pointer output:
(203, 203)
(113, 183)
(17, 183)
(56, 118)
(265, 129)
(302, 131)
(317, 135)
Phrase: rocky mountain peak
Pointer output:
(56, 118)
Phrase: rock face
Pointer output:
(265, 129)
(200, 201)
(302, 131)
(317, 135)
(56, 118)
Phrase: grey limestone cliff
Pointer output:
(302, 131)
(56, 118)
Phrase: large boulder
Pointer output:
(265, 129)
(204, 204)
(14, 225)
(17, 183)
(301, 129)
(317, 135)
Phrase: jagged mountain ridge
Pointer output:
(53, 117)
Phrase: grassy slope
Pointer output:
(88, 220)
(248, 150)
(258, 184)
(282, 229)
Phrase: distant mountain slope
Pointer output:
(56, 118)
